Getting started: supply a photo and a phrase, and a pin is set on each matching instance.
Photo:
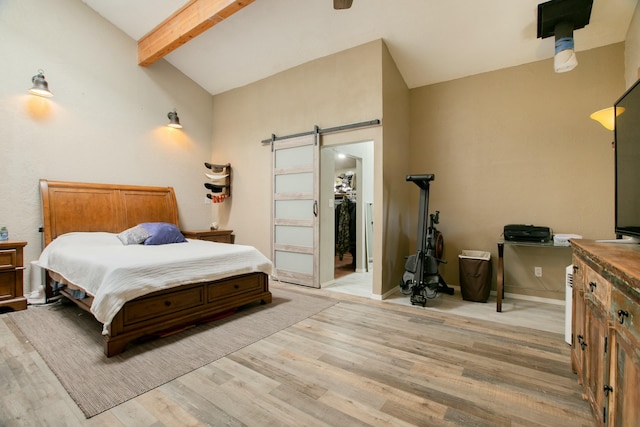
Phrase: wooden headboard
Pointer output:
(79, 206)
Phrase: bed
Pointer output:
(74, 212)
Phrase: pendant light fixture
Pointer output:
(40, 85)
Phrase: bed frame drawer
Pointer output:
(234, 286)
(143, 309)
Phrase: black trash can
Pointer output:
(475, 275)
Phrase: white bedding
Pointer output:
(114, 273)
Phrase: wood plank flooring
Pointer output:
(359, 363)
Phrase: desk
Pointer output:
(500, 275)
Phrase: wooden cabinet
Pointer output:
(606, 329)
(222, 236)
(11, 276)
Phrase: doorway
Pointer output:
(347, 181)
(345, 205)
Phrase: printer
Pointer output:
(527, 233)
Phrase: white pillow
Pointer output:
(134, 235)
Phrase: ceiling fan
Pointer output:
(342, 4)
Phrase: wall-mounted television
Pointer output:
(627, 165)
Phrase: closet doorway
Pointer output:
(347, 184)
(346, 205)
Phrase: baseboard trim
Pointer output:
(327, 283)
(506, 295)
(531, 298)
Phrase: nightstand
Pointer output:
(11, 276)
(222, 236)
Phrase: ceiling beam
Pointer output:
(191, 20)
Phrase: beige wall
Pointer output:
(105, 122)
(340, 89)
(632, 50)
(395, 164)
(517, 146)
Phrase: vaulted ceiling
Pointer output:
(430, 40)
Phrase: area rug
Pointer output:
(70, 342)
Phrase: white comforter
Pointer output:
(114, 273)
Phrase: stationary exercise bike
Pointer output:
(421, 278)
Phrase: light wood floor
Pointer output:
(547, 316)
(360, 362)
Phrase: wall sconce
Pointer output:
(174, 120)
(40, 85)
(606, 116)
(342, 4)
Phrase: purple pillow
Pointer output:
(162, 233)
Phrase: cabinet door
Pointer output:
(625, 369)
(625, 398)
(596, 374)
(578, 333)
(578, 320)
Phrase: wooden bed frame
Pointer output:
(73, 206)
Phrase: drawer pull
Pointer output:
(167, 303)
(593, 285)
(621, 315)
(236, 286)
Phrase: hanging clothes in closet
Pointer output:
(346, 228)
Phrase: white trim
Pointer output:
(506, 295)
(327, 283)
(530, 298)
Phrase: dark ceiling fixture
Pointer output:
(559, 18)
(342, 4)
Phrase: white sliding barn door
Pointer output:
(295, 252)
